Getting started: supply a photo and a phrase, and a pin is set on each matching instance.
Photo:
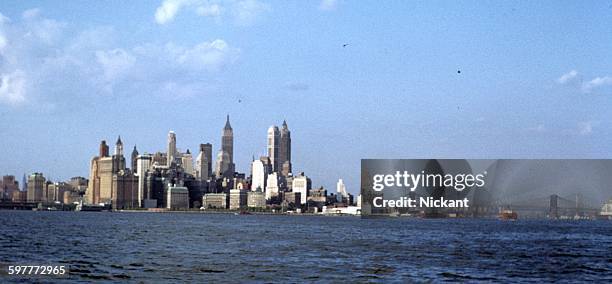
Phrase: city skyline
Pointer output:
(411, 80)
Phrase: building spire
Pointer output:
(119, 147)
(227, 123)
(285, 124)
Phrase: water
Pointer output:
(180, 247)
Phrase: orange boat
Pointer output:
(508, 215)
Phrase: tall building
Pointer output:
(8, 185)
(103, 149)
(225, 159)
(284, 153)
(124, 190)
(171, 153)
(134, 159)
(266, 163)
(223, 167)
(341, 188)
(24, 183)
(272, 186)
(258, 176)
(204, 162)
(118, 158)
(187, 162)
(102, 169)
(227, 140)
(160, 159)
(301, 184)
(36, 186)
(343, 196)
(273, 147)
(143, 165)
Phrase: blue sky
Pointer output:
(535, 81)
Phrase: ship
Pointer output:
(508, 214)
(606, 211)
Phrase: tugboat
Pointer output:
(508, 214)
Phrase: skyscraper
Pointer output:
(284, 153)
(134, 159)
(171, 154)
(102, 170)
(24, 183)
(302, 185)
(225, 159)
(103, 149)
(222, 168)
(36, 185)
(118, 158)
(227, 140)
(187, 162)
(143, 164)
(273, 147)
(343, 196)
(272, 186)
(204, 162)
(258, 174)
(341, 188)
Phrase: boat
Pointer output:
(508, 214)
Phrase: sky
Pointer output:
(353, 80)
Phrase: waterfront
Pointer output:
(178, 247)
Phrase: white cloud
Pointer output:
(66, 69)
(246, 12)
(168, 10)
(585, 128)
(597, 82)
(41, 29)
(243, 12)
(212, 10)
(3, 42)
(12, 87)
(207, 55)
(567, 77)
(328, 5)
(115, 63)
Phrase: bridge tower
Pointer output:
(554, 207)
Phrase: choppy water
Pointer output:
(179, 247)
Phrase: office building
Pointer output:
(171, 149)
(178, 198)
(273, 148)
(258, 175)
(256, 199)
(143, 165)
(36, 186)
(238, 199)
(301, 184)
(284, 152)
(214, 201)
(203, 169)
(272, 186)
